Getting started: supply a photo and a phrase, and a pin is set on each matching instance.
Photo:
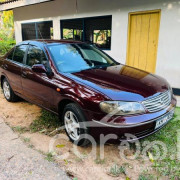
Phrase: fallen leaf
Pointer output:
(42, 131)
(70, 173)
(60, 146)
(10, 158)
(66, 161)
(151, 157)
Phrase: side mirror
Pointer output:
(39, 68)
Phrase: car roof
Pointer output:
(50, 41)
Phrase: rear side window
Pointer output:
(19, 53)
(10, 56)
(35, 55)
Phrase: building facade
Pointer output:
(140, 33)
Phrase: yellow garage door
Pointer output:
(143, 32)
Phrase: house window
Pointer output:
(72, 29)
(95, 30)
(28, 31)
(37, 30)
(102, 38)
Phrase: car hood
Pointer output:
(122, 82)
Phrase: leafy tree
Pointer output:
(8, 19)
(7, 31)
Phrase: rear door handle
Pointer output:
(5, 66)
(24, 74)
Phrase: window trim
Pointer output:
(83, 21)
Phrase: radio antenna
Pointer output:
(41, 35)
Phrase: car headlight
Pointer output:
(121, 108)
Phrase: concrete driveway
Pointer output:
(17, 161)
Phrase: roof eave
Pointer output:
(20, 3)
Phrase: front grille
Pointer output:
(158, 103)
(143, 133)
(137, 135)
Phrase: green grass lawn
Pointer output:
(170, 165)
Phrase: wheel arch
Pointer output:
(2, 79)
(65, 101)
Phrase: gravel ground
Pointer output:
(17, 161)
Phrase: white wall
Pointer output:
(168, 59)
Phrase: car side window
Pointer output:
(10, 55)
(19, 53)
(35, 55)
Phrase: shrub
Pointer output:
(5, 46)
(6, 41)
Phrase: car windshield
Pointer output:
(71, 58)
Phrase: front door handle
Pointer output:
(24, 74)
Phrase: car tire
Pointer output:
(8, 92)
(75, 121)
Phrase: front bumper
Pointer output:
(139, 126)
(138, 131)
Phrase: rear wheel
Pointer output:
(8, 92)
(75, 125)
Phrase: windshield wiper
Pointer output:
(97, 67)
(102, 66)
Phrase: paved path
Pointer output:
(18, 162)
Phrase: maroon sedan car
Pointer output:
(91, 92)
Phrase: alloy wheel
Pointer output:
(72, 125)
(6, 90)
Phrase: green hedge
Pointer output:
(6, 45)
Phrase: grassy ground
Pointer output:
(46, 123)
(170, 165)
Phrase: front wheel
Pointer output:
(8, 92)
(75, 125)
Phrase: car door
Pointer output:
(37, 87)
(12, 67)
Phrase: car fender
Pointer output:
(73, 98)
(4, 74)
